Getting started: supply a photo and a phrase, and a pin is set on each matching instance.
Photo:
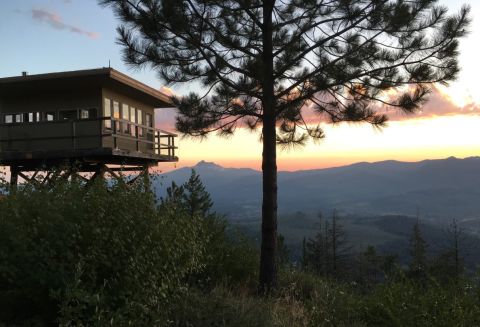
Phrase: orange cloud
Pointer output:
(56, 22)
(439, 104)
(168, 91)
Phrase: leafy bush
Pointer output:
(327, 301)
(98, 255)
(407, 303)
(230, 256)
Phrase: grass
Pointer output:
(306, 300)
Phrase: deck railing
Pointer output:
(85, 133)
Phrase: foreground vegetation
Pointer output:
(108, 254)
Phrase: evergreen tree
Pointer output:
(451, 262)
(328, 253)
(195, 199)
(271, 63)
(367, 266)
(174, 196)
(373, 263)
(418, 253)
(341, 252)
(316, 249)
(317, 252)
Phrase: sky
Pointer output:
(43, 36)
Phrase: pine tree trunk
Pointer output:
(268, 254)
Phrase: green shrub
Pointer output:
(407, 303)
(230, 257)
(92, 256)
(327, 302)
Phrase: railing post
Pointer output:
(114, 134)
(136, 137)
(173, 146)
(100, 135)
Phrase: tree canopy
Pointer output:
(288, 65)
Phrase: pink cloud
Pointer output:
(438, 105)
(56, 22)
(165, 118)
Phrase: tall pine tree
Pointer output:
(274, 66)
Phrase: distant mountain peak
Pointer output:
(208, 165)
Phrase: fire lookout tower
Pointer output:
(92, 118)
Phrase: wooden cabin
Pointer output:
(89, 116)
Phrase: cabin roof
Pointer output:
(90, 78)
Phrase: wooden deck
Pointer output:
(85, 141)
(31, 160)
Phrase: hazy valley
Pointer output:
(377, 201)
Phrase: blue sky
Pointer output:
(42, 36)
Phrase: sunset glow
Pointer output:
(60, 35)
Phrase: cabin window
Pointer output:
(108, 113)
(149, 120)
(84, 113)
(68, 114)
(108, 108)
(125, 111)
(116, 109)
(133, 116)
(140, 121)
(8, 119)
(49, 115)
(126, 128)
(31, 117)
(19, 118)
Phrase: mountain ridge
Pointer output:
(361, 188)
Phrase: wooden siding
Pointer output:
(51, 101)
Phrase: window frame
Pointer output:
(12, 118)
(149, 120)
(140, 122)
